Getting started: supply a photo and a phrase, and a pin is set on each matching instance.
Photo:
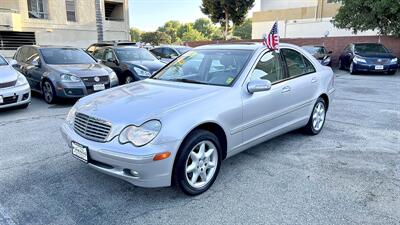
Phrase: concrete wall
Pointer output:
(305, 28)
(286, 4)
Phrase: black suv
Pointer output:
(129, 63)
(96, 46)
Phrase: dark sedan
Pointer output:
(368, 57)
(320, 53)
(129, 63)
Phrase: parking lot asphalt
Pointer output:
(349, 174)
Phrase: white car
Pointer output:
(14, 88)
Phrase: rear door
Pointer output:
(264, 112)
(301, 86)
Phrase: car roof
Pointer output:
(240, 46)
(49, 46)
(369, 43)
(120, 47)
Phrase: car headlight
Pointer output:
(113, 77)
(69, 78)
(359, 60)
(142, 135)
(394, 61)
(21, 80)
(71, 116)
(141, 72)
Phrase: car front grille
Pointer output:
(90, 81)
(378, 61)
(91, 128)
(8, 84)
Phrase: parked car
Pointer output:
(63, 72)
(14, 88)
(130, 63)
(169, 52)
(368, 57)
(320, 53)
(177, 126)
(96, 46)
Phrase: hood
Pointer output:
(82, 70)
(151, 66)
(7, 74)
(140, 101)
(376, 55)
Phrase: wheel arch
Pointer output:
(326, 99)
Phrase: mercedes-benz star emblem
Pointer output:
(97, 79)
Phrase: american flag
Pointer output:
(272, 39)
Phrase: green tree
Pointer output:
(156, 38)
(244, 30)
(135, 34)
(171, 28)
(193, 35)
(226, 11)
(205, 26)
(184, 28)
(363, 15)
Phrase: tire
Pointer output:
(352, 70)
(317, 118)
(206, 168)
(49, 92)
(341, 67)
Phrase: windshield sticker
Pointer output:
(229, 80)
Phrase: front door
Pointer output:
(263, 112)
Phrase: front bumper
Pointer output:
(15, 96)
(79, 89)
(371, 67)
(118, 160)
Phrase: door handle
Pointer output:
(286, 89)
(314, 79)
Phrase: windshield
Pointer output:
(66, 56)
(182, 50)
(213, 67)
(134, 54)
(3, 62)
(315, 49)
(370, 48)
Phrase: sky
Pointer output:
(148, 15)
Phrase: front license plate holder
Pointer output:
(80, 151)
(379, 67)
(99, 87)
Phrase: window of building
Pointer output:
(70, 7)
(114, 11)
(38, 9)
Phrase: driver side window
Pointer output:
(109, 55)
(269, 68)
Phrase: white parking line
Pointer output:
(4, 217)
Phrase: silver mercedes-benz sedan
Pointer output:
(207, 105)
(14, 88)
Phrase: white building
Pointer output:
(298, 19)
(61, 22)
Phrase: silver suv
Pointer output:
(63, 72)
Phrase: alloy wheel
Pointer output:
(48, 91)
(201, 164)
(318, 117)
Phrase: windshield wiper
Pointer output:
(184, 80)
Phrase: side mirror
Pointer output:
(330, 52)
(258, 86)
(13, 62)
(99, 61)
(35, 63)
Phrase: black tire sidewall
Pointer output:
(180, 162)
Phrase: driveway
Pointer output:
(349, 174)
